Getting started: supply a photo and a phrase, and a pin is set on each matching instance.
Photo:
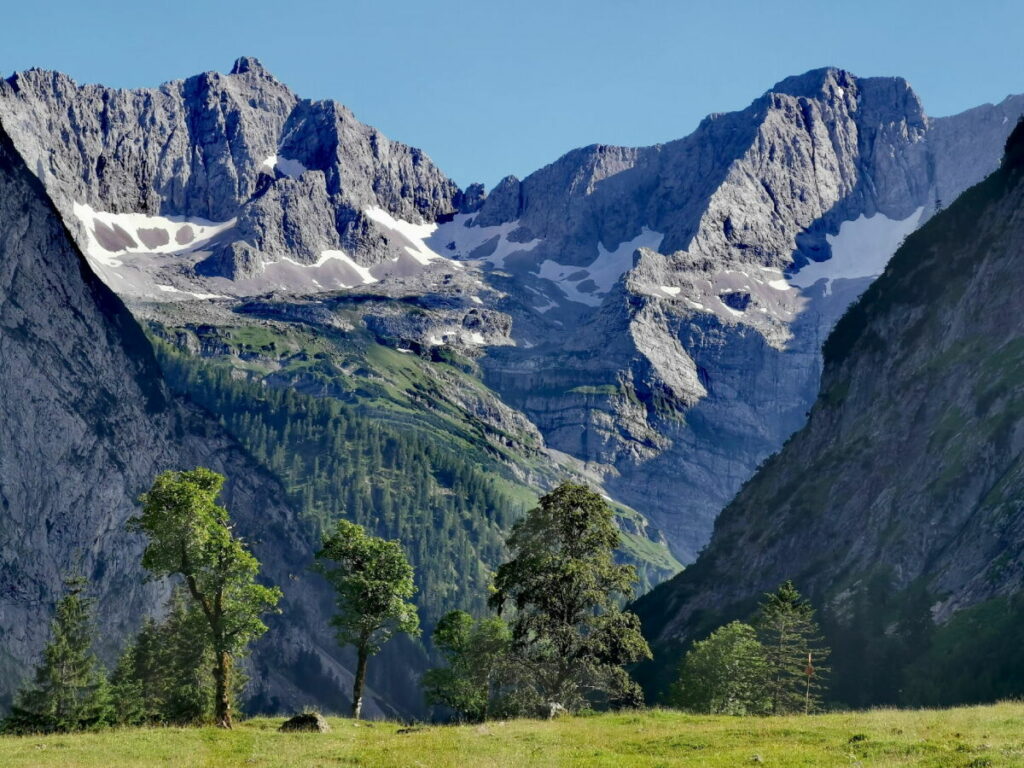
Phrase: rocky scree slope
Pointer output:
(86, 425)
(899, 504)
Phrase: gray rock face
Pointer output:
(86, 425)
(759, 229)
(909, 469)
(295, 176)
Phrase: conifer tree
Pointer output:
(69, 691)
(794, 650)
(165, 674)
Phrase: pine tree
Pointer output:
(187, 658)
(165, 674)
(127, 691)
(794, 650)
(69, 691)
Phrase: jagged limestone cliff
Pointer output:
(754, 234)
(670, 374)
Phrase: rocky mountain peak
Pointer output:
(249, 65)
(907, 477)
(756, 230)
(815, 83)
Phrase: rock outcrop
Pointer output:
(285, 177)
(751, 236)
(657, 312)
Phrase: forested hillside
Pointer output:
(337, 459)
(334, 461)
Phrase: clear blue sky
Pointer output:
(491, 87)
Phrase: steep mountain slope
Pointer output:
(164, 187)
(899, 504)
(86, 424)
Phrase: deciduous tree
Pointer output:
(481, 671)
(191, 535)
(566, 589)
(724, 674)
(373, 582)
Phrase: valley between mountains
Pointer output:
(217, 271)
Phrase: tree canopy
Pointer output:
(482, 673)
(373, 583)
(566, 588)
(724, 674)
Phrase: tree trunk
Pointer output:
(221, 674)
(357, 686)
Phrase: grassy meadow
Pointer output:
(970, 737)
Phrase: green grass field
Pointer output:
(974, 737)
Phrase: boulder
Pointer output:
(308, 722)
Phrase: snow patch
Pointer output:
(347, 260)
(172, 289)
(589, 284)
(862, 249)
(290, 168)
(671, 290)
(415, 235)
(334, 269)
(461, 241)
(112, 236)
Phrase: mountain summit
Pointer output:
(648, 319)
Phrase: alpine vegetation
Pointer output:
(69, 691)
(775, 667)
(482, 677)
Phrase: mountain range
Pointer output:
(649, 319)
